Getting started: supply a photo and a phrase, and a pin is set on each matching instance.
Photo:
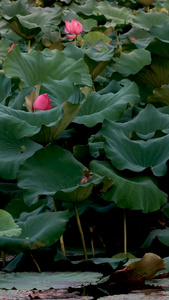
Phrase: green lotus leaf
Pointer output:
(136, 193)
(94, 37)
(160, 95)
(44, 126)
(4, 47)
(147, 21)
(5, 89)
(93, 56)
(161, 31)
(159, 48)
(8, 227)
(108, 106)
(155, 75)
(13, 152)
(54, 169)
(45, 281)
(36, 67)
(133, 62)
(115, 15)
(94, 52)
(161, 234)
(87, 24)
(11, 9)
(146, 150)
(28, 22)
(85, 9)
(37, 231)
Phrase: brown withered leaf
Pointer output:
(137, 271)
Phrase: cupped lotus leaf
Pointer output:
(44, 126)
(133, 62)
(4, 47)
(161, 31)
(5, 88)
(26, 33)
(54, 169)
(94, 37)
(155, 75)
(13, 152)
(37, 231)
(138, 154)
(87, 24)
(147, 21)
(93, 56)
(115, 15)
(159, 48)
(8, 227)
(94, 52)
(86, 8)
(160, 96)
(108, 106)
(36, 67)
(20, 124)
(136, 193)
(161, 234)
(28, 22)
(10, 10)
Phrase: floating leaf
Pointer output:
(45, 281)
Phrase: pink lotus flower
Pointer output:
(74, 28)
(132, 37)
(42, 102)
(11, 47)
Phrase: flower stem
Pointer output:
(29, 45)
(61, 238)
(81, 232)
(125, 233)
(75, 42)
(118, 42)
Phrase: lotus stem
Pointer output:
(118, 42)
(125, 233)
(3, 258)
(81, 232)
(29, 45)
(75, 42)
(34, 260)
(92, 245)
(62, 245)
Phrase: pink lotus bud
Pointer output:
(42, 103)
(11, 47)
(132, 37)
(74, 28)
